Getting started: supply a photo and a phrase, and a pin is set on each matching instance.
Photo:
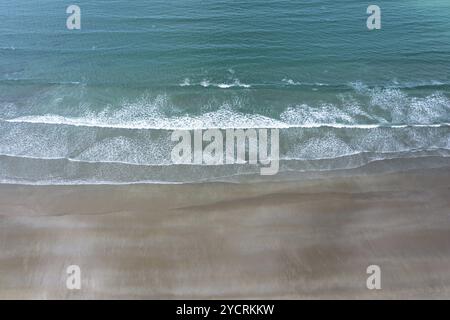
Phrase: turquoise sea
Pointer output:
(98, 105)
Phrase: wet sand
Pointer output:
(305, 239)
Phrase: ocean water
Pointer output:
(97, 105)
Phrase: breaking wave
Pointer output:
(131, 142)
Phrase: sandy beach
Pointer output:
(303, 239)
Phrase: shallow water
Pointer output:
(99, 104)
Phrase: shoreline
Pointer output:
(290, 170)
(292, 239)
